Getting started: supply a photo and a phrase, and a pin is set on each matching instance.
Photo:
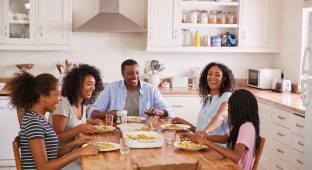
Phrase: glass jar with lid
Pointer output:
(231, 18)
(204, 17)
(193, 16)
(184, 16)
(221, 17)
(186, 37)
(212, 18)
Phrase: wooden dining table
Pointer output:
(143, 157)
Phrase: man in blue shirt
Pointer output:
(131, 94)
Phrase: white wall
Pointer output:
(290, 56)
(107, 51)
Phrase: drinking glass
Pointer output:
(170, 136)
(109, 119)
(154, 121)
(124, 148)
(123, 114)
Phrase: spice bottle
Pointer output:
(196, 39)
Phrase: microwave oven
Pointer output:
(262, 78)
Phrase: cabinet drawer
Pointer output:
(282, 151)
(281, 117)
(278, 164)
(281, 134)
(297, 159)
(297, 142)
(297, 124)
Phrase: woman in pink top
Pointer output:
(243, 136)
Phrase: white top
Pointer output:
(65, 109)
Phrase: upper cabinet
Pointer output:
(54, 21)
(163, 23)
(210, 26)
(35, 24)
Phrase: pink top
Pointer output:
(246, 136)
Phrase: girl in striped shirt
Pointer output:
(38, 141)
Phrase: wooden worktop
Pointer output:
(289, 101)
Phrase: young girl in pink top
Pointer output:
(243, 136)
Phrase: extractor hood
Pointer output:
(110, 20)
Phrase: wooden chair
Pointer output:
(258, 154)
(16, 150)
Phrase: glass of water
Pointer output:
(154, 121)
(124, 148)
(170, 136)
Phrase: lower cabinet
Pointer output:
(284, 134)
(185, 106)
(9, 130)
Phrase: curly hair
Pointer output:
(25, 89)
(73, 82)
(228, 84)
(243, 107)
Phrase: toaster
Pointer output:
(281, 85)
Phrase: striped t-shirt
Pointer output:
(36, 127)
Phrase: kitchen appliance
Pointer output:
(262, 78)
(306, 84)
(281, 85)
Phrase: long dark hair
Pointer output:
(243, 107)
(25, 89)
(228, 84)
(73, 82)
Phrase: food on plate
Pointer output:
(104, 128)
(141, 137)
(187, 144)
(173, 126)
(106, 146)
(135, 118)
(145, 128)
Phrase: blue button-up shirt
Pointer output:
(113, 97)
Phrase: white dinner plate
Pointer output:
(135, 118)
(142, 136)
(187, 145)
(105, 146)
(132, 127)
(103, 128)
(175, 126)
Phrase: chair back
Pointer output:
(16, 150)
(258, 154)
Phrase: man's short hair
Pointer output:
(128, 62)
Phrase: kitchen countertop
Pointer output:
(290, 101)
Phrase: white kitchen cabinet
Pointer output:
(185, 106)
(9, 127)
(19, 21)
(1, 22)
(260, 22)
(54, 21)
(265, 114)
(163, 23)
(288, 139)
(255, 23)
(36, 24)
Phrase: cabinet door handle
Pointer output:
(280, 134)
(177, 106)
(281, 117)
(280, 151)
(300, 143)
(298, 125)
(278, 167)
(41, 31)
(298, 160)
(5, 33)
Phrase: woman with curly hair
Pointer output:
(80, 85)
(38, 141)
(216, 85)
(243, 136)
